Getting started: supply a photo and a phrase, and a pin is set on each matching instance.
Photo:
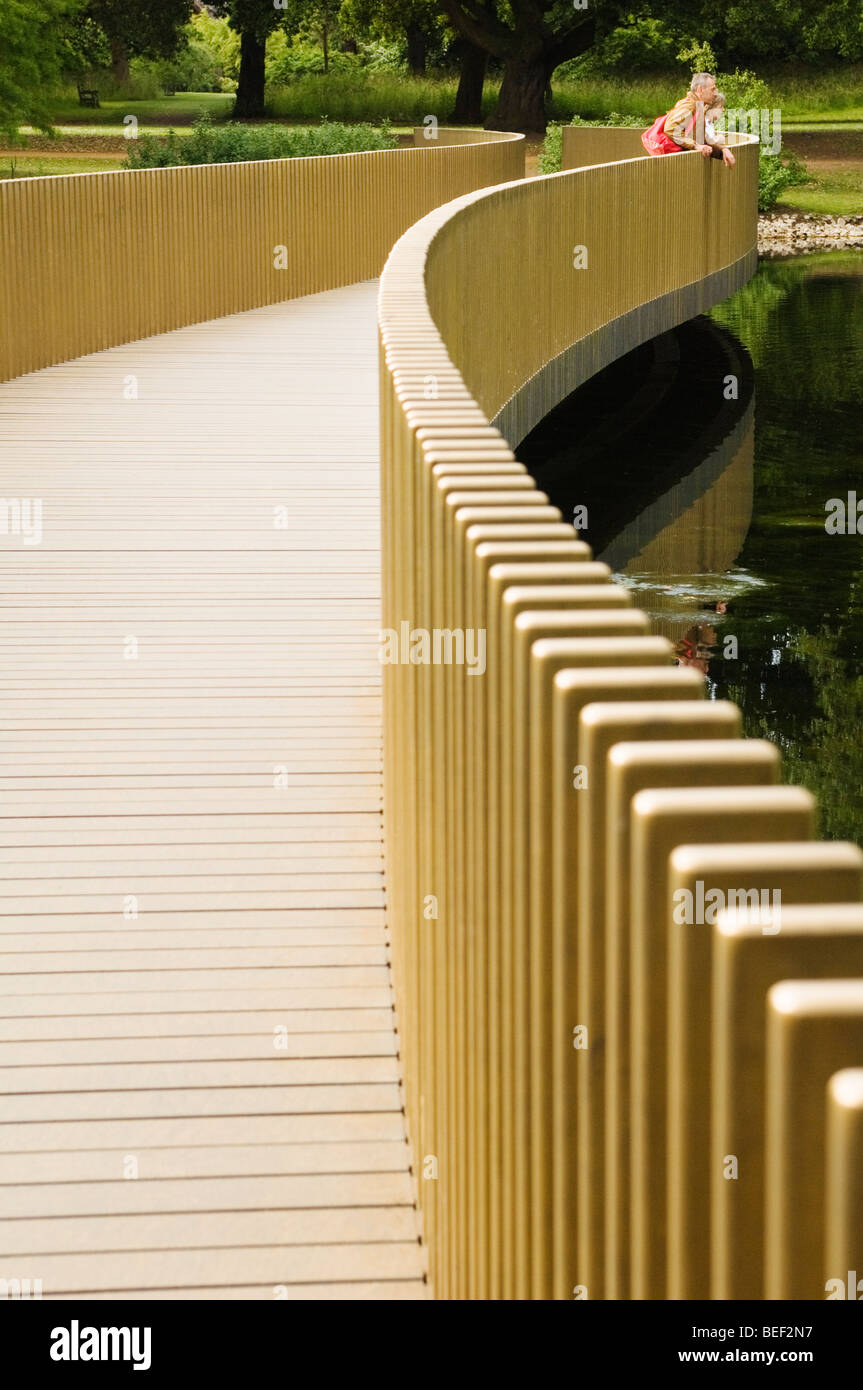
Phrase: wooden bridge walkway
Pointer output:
(199, 1079)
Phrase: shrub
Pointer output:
(194, 69)
(286, 60)
(230, 143)
(776, 172)
(551, 154)
(381, 56)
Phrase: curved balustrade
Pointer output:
(554, 784)
(88, 261)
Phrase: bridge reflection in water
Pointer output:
(673, 531)
(677, 553)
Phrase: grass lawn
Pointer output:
(849, 119)
(834, 159)
(182, 109)
(838, 193)
(38, 166)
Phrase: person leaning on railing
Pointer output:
(684, 123)
(712, 134)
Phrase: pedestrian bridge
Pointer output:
(328, 977)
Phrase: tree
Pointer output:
(473, 62)
(780, 30)
(132, 29)
(316, 19)
(530, 39)
(254, 21)
(808, 30)
(418, 23)
(31, 56)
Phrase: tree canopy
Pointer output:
(31, 57)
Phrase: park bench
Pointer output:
(87, 96)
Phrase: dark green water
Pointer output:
(735, 546)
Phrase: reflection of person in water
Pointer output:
(699, 643)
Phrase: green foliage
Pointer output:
(83, 45)
(744, 91)
(776, 173)
(698, 56)
(380, 55)
(551, 154)
(194, 69)
(31, 53)
(362, 95)
(640, 44)
(384, 24)
(805, 30)
(258, 17)
(287, 59)
(231, 143)
(220, 40)
(151, 30)
(614, 118)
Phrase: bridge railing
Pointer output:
(574, 1053)
(88, 261)
(582, 145)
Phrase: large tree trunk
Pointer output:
(250, 83)
(417, 49)
(521, 100)
(119, 61)
(468, 98)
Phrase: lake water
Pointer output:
(705, 461)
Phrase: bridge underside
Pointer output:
(198, 1063)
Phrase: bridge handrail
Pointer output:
(89, 261)
(504, 879)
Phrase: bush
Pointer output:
(230, 143)
(776, 172)
(551, 154)
(381, 56)
(194, 69)
(286, 60)
(615, 118)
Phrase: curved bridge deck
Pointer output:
(205, 1099)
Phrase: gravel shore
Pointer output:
(783, 234)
